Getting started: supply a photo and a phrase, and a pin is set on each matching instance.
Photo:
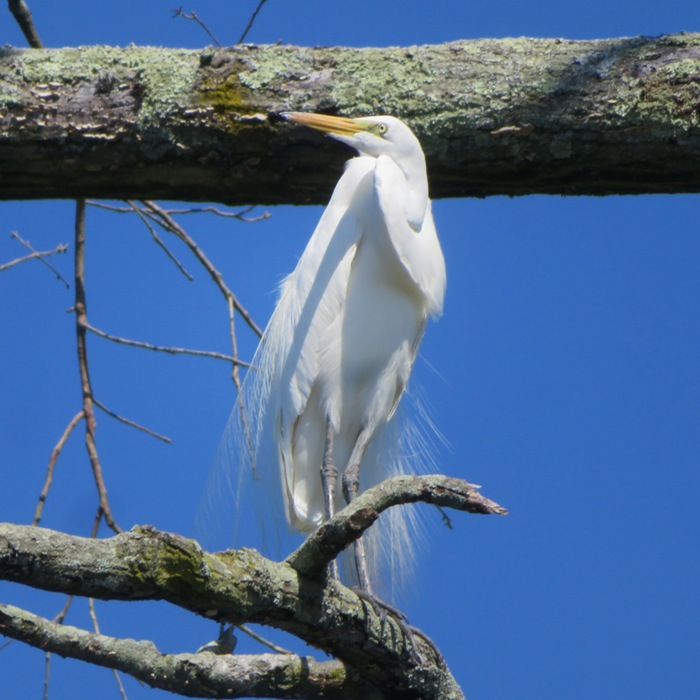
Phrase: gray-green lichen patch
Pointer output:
(164, 76)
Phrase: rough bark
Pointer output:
(511, 116)
(377, 657)
(200, 675)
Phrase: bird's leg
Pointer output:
(351, 487)
(329, 476)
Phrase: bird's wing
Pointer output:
(419, 251)
(311, 300)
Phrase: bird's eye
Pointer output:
(382, 128)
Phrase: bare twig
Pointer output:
(64, 610)
(164, 348)
(166, 221)
(193, 16)
(159, 240)
(58, 249)
(240, 215)
(262, 640)
(23, 16)
(169, 224)
(86, 386)
(47, 674)
(35, 254)
(446, 519)
(58, 619)
(61, 248)
(52, 463)
(251, 20)
(96, 627)
(131, 423)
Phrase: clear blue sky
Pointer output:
(564, 375)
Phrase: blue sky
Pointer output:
(564, 376)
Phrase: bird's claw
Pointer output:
(381, 608)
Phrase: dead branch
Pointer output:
(333, 536)
(131, 423)
(145, 564)
(165, 348)
(508, 116)
(158, 240)
(193, 16)
(169, 224)
(52, 464)
(251, 21)
(81, 324)
(23, 16)
(37, 255)
(203, 675)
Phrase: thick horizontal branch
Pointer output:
(237, 586)
(201, 675)
(510, 116)
(326, 543)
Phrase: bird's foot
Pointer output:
(381, 608)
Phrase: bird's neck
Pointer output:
(417, 202)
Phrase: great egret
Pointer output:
(337, 354)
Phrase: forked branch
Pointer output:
(145, 564)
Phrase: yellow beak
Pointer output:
(324, 122)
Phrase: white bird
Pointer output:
(336, 356)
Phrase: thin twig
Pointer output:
(126, 421)
(169, 224)
(159, 240)
(64, 611)
(47, 674)
(61, 248)
(240, 215)
(262, 640)
(109, 207)
(69, 600)
(93, 612)
(193, 16)
(86, 386)
(23, 16)
(446, 519)
(52, 463)
(163, 348)
(251, 20)
(35, 254)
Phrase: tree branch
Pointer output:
(204, 675)
(330, 539)
(23, 16)
(509, 116)
(145, 564)
(81, 325)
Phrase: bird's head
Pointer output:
(379, 136)
(372, 136)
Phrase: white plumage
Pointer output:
(344, 334)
